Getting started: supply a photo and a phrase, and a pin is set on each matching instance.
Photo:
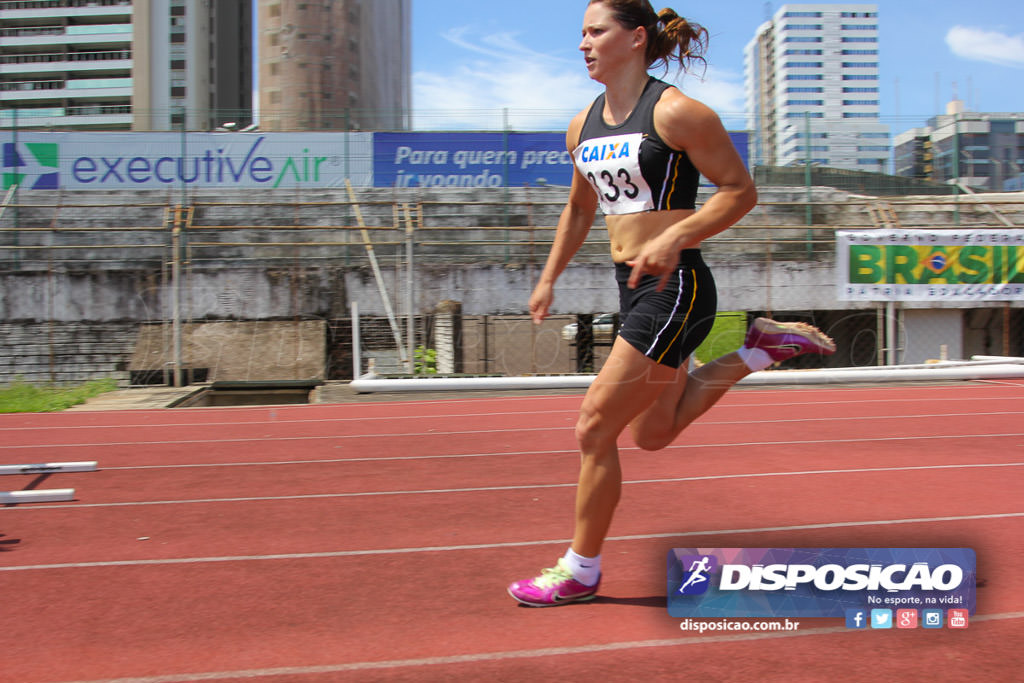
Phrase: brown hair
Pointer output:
(669, 36)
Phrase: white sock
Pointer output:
(586, 570)
(755, 359)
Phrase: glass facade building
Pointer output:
(812, 88)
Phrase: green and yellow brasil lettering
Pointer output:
(920, 265)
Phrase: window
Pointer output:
(860, 65)
(178, 91)
(177, 65)
(861, 77)
(809, 15)
(803, 65)
(795, 90)
(802, 27)
(857, 39)
(860, 115)
(802, 52)
(859, 90)
(803, 77)
(857, 103)
(859, 52)
(803, 136)
(859, 27)
(802, 39)
(805, 103)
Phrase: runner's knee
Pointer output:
(593, 431)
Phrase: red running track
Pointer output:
(374, 541)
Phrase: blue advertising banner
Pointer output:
(78, 160)
(818, 582)
(480, 159)
(470, 159)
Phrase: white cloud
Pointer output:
(539, 91)
(720, 89)
(986, 46)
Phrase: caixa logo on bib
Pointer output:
(816, 582)
(32, 164)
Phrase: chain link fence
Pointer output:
(72, 264)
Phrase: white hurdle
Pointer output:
(43, 495)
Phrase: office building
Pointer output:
(983, 151)
(812, 86)
(334, 64)
(119, 65)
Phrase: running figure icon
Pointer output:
(698, 574)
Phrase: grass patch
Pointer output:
(726, 336)
(22, 397)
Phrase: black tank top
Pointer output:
(629, 165)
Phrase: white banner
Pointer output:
(123, 161)
(930, 265)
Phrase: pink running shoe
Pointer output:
(785, 340)
(555, 586)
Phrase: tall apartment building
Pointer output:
(981, 150)
(118, 64)
(193, 64)
(812, 86)
(334, 64)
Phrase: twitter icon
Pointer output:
(881, 618)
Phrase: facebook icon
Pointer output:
(856, 618)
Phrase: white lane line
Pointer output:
(562, 428)
(428, 416)
(274, 421)
(516, 487)
(492, 546)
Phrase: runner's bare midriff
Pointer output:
(629, 232)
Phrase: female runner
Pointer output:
(639, 151)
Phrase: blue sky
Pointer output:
(473, 59)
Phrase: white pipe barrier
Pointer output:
(984, 368)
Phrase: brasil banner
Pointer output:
(930, 265)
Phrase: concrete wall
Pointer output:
(238, 351)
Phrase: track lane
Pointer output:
(401, 614)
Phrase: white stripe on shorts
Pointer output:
(675, 307)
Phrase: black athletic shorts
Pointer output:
(667, 326)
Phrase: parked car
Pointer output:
(604, 328)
